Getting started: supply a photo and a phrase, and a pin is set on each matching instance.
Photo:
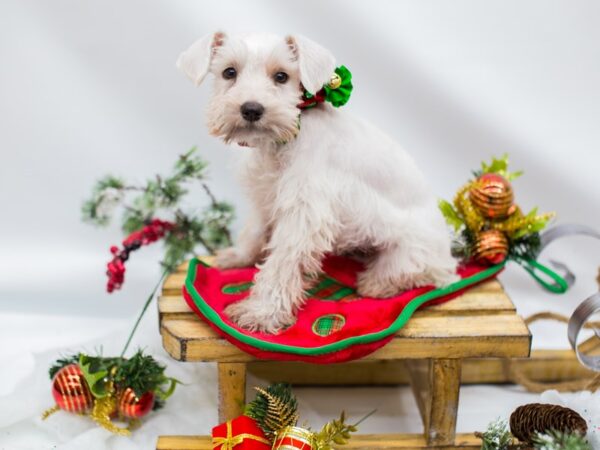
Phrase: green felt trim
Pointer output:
(343, 292)
(236, 288)
(204, 263)
(325, 283)
(400, 321)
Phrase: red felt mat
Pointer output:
(335, 325)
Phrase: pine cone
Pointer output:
(529, 419)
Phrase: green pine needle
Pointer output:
(526, 247)
(496, 437)
(557, 440)
(63, 362)
(161, 196)
(141, 372)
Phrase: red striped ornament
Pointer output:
(132, 407)
(293, 438)
(70, 390)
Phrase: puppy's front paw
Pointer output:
(256, 314)
(231, 258)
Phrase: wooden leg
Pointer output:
(232, 390)
(419, 375)
(436, 386)
(445, 388)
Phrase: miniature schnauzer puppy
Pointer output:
(319, 180)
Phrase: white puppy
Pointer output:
(319, 180)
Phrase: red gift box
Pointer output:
(241, 433)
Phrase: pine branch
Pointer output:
(274, 408)
(556, 440)
(141, 372)
(161, 195)
(63, 362)
(496, 437)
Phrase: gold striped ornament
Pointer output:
(490, 247)
(493, 196)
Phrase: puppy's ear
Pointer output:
(316, 63)
(195, 61)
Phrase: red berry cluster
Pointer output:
(154, 230)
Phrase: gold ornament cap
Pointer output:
(293, 438)
(335, 81)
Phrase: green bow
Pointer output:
(339, 88)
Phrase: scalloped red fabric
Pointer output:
(361, 316)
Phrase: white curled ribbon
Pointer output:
(590, 306)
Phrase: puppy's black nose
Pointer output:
(252, 111)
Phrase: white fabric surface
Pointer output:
(90, 87)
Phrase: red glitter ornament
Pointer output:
(491, 247)
(493, 196)
(70, 390)
(132, 407)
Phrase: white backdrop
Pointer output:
(90, 87)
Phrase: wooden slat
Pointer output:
(358, 442)
(542, 366)
(174, 283)
(422, 337)
(487, 298)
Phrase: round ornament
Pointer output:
(491, 247)
(293, 438)
(133, 407)
(335, 81)
(70, 390)
(493, 196)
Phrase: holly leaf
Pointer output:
(165, 394)
(500, 166)
(533, 223)
(450, 214)
(94, 375)
(496, 166)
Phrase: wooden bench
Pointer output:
(464, 340)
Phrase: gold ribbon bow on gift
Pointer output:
(230, 441)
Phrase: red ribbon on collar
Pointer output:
(308, 100)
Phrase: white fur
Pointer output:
(336, 185)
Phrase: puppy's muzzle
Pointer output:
(252, 111)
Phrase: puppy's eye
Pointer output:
(281, 77)
(230, 73)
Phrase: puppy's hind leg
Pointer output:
(406, 265)
(384, 275)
